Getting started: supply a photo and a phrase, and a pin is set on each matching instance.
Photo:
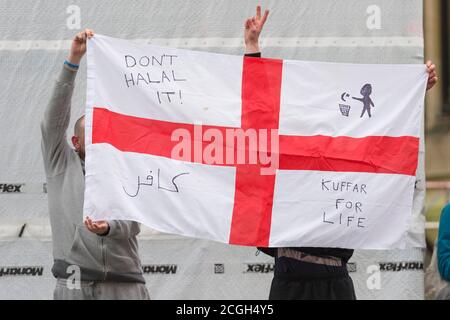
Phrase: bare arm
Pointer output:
(57, 114)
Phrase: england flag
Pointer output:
(252, 151)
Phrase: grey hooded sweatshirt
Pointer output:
(113, 257)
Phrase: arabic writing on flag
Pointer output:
(252, 151)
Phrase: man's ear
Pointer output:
(76, 142)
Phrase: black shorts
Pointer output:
(297, 280)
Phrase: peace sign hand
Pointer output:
(253, 28)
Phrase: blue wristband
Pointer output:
(74, 66)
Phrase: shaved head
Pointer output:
(78, 128)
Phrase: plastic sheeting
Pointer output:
(197, 269)
(33, 44)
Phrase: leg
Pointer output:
(290, 289)
(363, 111)
(121, 291)
(63, 292)
(298, 280)
(334, 288)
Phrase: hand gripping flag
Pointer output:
(252, 151)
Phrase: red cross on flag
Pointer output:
(252, 151)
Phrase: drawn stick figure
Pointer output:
(366, 91)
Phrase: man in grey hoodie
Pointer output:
(94, 260)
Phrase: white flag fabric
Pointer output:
(252, 151)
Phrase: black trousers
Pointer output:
(297, 280)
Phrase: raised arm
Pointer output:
(57, 114)
(253, 28)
